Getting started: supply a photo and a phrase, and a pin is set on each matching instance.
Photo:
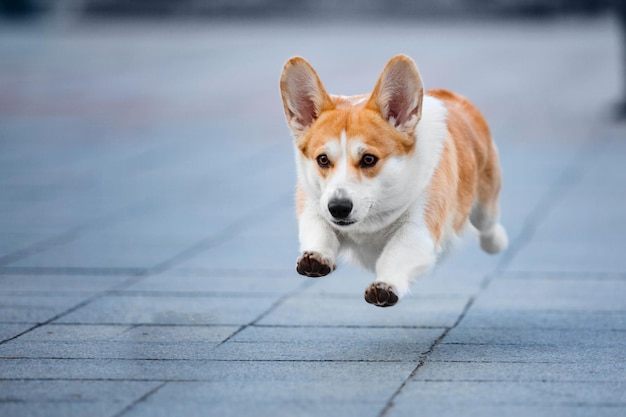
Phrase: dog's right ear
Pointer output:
(304, 96)
(398, 94)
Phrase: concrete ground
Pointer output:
(148, 237)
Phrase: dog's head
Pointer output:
(353, 152)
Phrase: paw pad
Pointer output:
(381, 295)
(312, 264)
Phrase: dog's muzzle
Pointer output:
(340, 209)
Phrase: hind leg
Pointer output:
(486, 210)
(493, 237)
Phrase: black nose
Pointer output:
(340, 208)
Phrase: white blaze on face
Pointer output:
(339, 183)
(337, 152)
(345, 181)
(342, 166)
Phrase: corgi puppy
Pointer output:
(390, 178)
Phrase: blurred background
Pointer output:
(124, 125)
(260, 8)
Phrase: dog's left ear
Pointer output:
(304, 96)
(398, 94)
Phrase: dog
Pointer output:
(388, 179)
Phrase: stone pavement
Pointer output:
(148, 236)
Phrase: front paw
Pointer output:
(314, 265)
(381, 294)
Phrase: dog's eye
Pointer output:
(323, 161)
(368, 161)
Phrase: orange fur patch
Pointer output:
(359, 123)
(300, 200)
(468, 167)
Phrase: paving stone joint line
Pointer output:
(140, 399)
(422, 361)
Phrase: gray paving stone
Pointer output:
(569, 256)
(110, 252)
(290, 344)
(138, 333)
(223, 372)
(210, 281)
(336, 344)
(283, 389)
(178, 333)
(561, 353)
(58, 284)
(24, 219)
(603, 169)
(523, 189)
(249, 252)
(554, 294)
(524, 318)
(263, 251)
(521, 198)
(533, 394)
(283, 222)
(593, 337)
(444, 410)
(184, 222)
(8, 331)
(287, 407)
(146, 309)
(412, 311)
(523, 372)
(12, 242)
(530, 276)
(104, 369)
(64, 333)
(187, 350)
(577, 217)
(600, 225)
(118, 342)
(35, 308)
(70, 398)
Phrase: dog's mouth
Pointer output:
(344, 222)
